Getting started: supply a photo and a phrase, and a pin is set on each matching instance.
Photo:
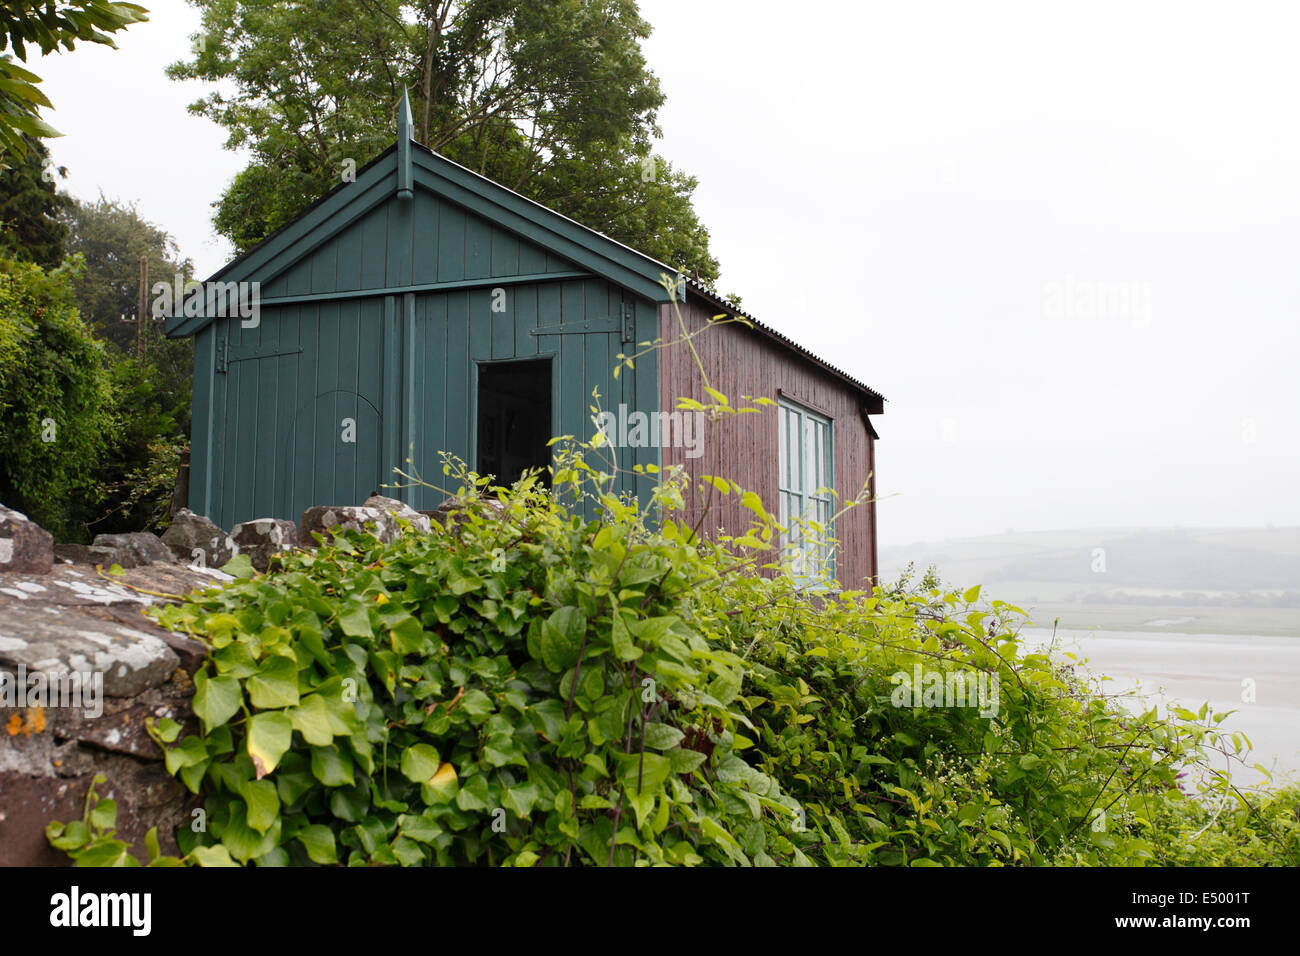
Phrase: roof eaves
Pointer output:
(713, 298)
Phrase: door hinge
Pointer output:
(624, 324)
(629, 322)
(226, 355)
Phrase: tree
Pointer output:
(55, 397)
(551, 98)
(48, 25)
(112, 237)
(30, 208)
(151, 397)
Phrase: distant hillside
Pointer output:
(1235, 580)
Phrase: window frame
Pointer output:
(801, 489)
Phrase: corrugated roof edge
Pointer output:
(713, 298)
(695, 286)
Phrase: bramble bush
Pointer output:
(562, 677)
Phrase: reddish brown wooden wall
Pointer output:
(744, 448)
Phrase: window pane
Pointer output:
(806, 466)
(819, 432)
(796, 474)
(809, 466)
(783, 445)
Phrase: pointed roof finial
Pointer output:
(405, 125)
(405, 133)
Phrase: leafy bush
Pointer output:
(135, 477)
(55, 396)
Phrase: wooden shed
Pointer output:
(422, 306)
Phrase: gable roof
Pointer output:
(407, 163)
(875, 405)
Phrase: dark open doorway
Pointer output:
(514, 418)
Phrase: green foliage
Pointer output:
(112, 236)
(55, 396)
(515, 692)
(559, 677)
(30, 207)
(1044, 770)
(551, 98)
(135, 476)
(90, 439)
(1235, 830)
(93, 840)
(46, 26)
(530, 688)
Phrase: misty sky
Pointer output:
(1062, 240)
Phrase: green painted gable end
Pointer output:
(376, 314)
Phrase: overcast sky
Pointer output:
(1063, 240)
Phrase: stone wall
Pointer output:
(82, 667)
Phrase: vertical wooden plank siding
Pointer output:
(744, 448)
(401, 367)
(201, 463)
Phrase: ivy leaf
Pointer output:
(275, 684)
(104, 816)
(331, 767)
(166, 730)
(189, 753)
(216, 699)
(311, 718)
(318, 840)
(269, 736)
(547, 717)
(235, 660)
(244, 842)
(442, 787)
(109, 853)
(408, 636)
(212, 856)
(419, 763)
(474, 794)
(477, 704)
(240, 566)
(263, 804)
(355, 622)
(519, 799)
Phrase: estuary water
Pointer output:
(1256, 677)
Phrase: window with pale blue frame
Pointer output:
(806, 478)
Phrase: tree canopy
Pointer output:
(47, 25)
(551, 98)
(31, 227)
